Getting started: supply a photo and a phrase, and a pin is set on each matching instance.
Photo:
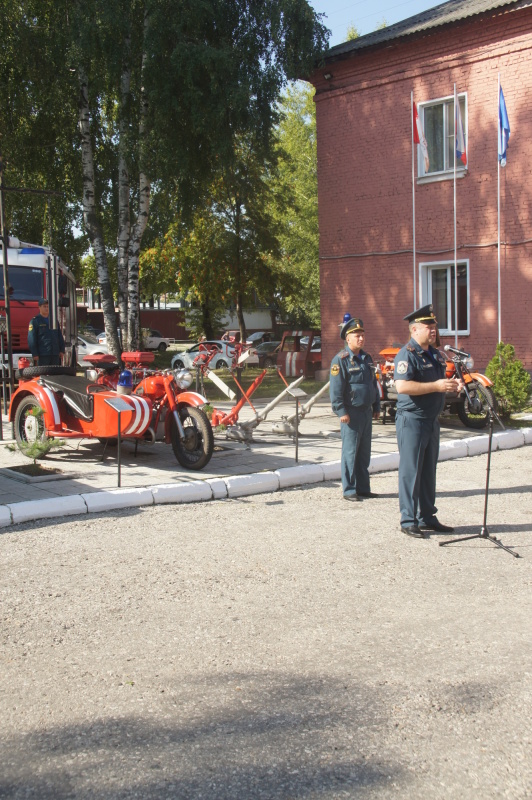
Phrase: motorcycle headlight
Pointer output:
(470, 362)
(183, 378)
(92, 375)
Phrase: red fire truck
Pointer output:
(35, 272)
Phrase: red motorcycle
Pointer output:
(50, 402)
(471, 404)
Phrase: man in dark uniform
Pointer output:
(355, 398)
(421, 386)
(45, 344)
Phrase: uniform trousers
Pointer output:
(356, 450)
(419, 446)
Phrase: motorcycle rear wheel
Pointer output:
(477, 418)
(196, 450)
(29, 429)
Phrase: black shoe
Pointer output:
(437, 526)
(414, 530)
(353, 498)
(367, 494)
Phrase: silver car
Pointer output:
(221, 360)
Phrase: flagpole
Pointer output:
(498, 213)
(413, 195)
(455, 247)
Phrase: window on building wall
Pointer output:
(438, 126)
(438, 282)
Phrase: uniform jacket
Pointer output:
(353, 383)
(412, 363)
(42, 340)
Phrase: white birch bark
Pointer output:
(139, 226)
(91, 216)
(124, 225)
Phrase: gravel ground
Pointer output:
(286, 646)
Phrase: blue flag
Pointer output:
(504, 129)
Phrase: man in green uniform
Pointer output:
(46, 345)
(355, 399)
(419, 376)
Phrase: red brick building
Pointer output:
(363, 106)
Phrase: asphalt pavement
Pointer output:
(89, 479)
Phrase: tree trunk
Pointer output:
(206, 320)
(124, 224)
(135, 241)
(91, 217)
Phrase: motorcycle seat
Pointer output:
(76, 393)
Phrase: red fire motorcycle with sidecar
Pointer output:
(471, 404)
(51, 402)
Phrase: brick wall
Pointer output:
(365, 183)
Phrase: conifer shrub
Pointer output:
(511, 381)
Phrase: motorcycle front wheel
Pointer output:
(476, 413)
(195, 451)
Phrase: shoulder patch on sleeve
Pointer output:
(401, 367)
(335, 369)
(31, 327)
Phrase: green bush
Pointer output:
(511, 381)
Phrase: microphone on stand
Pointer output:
(449, 349)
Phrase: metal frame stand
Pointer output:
(484, 534)
(297, 393)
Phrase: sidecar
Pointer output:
(51, 404)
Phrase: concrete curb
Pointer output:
(194, 492)
(238, 485)
(49, 507)
(117, 498)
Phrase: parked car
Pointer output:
(156, 341)
(267, 354)
(258, 337)
(224, 358)
(88, 345)
(102, 337)
(316, 343)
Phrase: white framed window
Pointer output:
(437, 287)
(437, 117)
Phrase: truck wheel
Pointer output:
(162, 347)
(196, 450)
(29, 428)
(269, 363)
(476, 413)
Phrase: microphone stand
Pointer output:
(484, 534)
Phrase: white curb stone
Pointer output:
(527, 433)
(450, 450)
(383, 462)
(5, 516)
(49, 507)
(218, 488)
(295, 476)
(259, 482)
(117, 498)
(332, 470)
(476, 445)
(506, 440)
(193, 492)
